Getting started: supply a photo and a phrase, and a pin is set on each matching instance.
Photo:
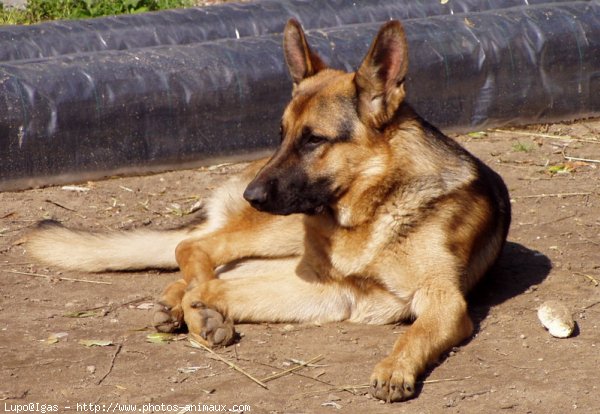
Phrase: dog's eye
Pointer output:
(313, 141)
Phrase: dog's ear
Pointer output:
(379, 79)
(302, 62)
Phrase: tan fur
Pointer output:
(97, 252)
(401, 222)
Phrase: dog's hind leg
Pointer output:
(278, 296)
(279, 292)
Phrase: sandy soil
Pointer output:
(511, 365)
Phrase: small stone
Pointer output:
(556, 317)
(90, 369)
(332, 404)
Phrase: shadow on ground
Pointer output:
(517, 270)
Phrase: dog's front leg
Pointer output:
(196, 265)
(198, 257)
(442, 322)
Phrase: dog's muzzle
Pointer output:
(257, 195)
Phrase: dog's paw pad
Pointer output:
(390, 382)
(166, 319)
(215, 329)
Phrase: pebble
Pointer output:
(288, 328)
(556, 317)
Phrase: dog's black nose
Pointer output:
(256, 194)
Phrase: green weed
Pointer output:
(521, 147)
(37, 11)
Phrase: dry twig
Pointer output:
(349, 388)
(591, 305)
(112, 364)
(435, 381)
(584, 160)
(70, 279)
(557, 220)
(589, 241)
(108, 308)
(580, 159)
(290, 370)
(196, 342)
(334, 386)
(551, 195)
(550, 136)
(66, 208)
(60, 205)
(591, 278)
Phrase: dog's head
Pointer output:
(333, 129)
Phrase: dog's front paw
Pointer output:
(391, 381)
(167, 319)
(209, 324)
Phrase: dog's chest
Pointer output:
(353, 251)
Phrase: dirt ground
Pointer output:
(511, 365)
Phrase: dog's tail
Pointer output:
(71, 249)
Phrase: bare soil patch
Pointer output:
(511, 365)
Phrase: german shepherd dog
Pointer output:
(365, 213)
